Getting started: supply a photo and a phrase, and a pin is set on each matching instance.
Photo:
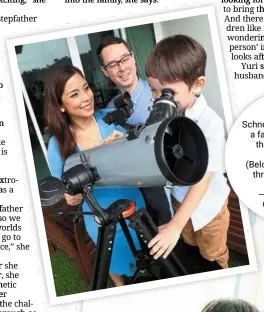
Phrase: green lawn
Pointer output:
(67, 277)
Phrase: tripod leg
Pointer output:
(105, 242)
(139, 271)
(128, 236)
(135, 276)
(142, 223)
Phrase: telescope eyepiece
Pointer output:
(168, 93)
(163, 107)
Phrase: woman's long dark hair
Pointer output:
(57, 121)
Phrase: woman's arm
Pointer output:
(55, 164)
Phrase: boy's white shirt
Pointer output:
(213, 129)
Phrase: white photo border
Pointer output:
(209, 11)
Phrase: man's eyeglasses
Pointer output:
(124, 60)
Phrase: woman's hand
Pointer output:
(164, 241)
(114, 136)
(73, 200)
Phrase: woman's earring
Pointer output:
(197, 95)
(62, 110)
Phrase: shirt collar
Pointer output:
(197, 109)
(139, 88)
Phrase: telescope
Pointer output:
(167, 149)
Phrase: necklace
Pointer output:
(86, 136)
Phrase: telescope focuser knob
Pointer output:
(150, 108)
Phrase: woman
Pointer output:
(74, 126)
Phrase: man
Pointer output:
(118, 64)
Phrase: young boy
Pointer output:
(201, 213)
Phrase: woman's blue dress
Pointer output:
(123, 262)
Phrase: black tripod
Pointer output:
(143, 225)
(181, 157)
(80, 179)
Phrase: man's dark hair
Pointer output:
(237, 305)
(107, 41)
(177, 58)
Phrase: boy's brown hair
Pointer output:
(177, 58)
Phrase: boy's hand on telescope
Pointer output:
(164, 242)
(73, 200)
(114, 136)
